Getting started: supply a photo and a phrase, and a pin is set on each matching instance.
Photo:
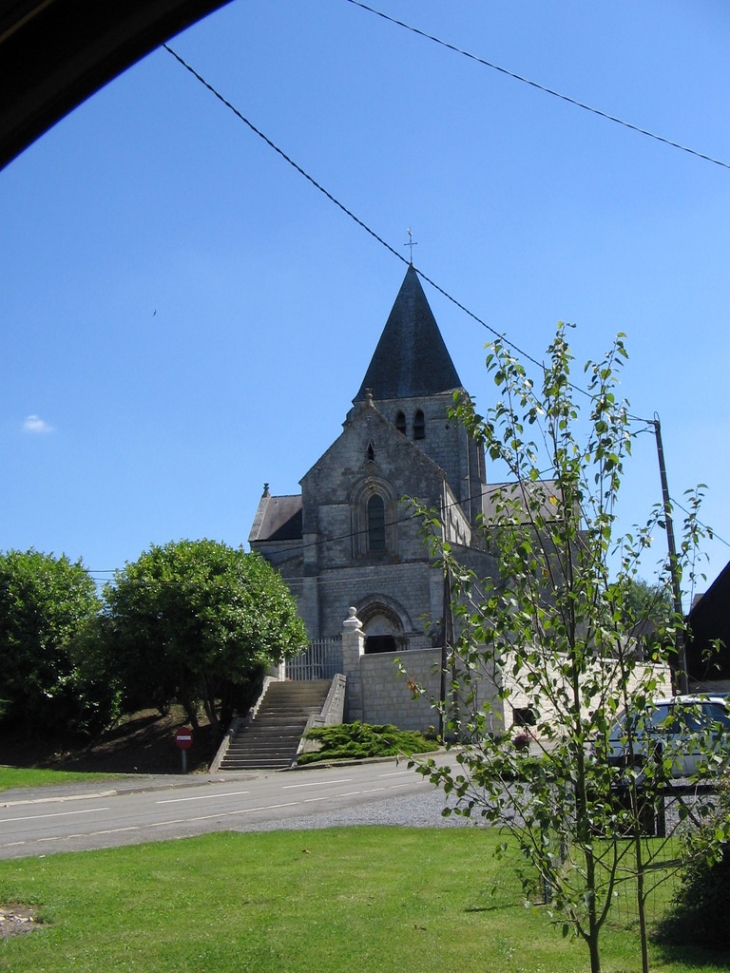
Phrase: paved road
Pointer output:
(129, 811)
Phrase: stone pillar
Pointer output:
(277, 671)
(353, 647)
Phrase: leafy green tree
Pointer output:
(46, 602)
(198, 621)
(552, 634)
(648, 610)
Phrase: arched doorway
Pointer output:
(383, 629)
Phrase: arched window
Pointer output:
(419, 425)
(374, 516)
(376, 523)
(371, 453)
(400, 423)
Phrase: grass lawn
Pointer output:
(21, 777)
(356, 900)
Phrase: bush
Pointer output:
(699, 912)
(357, 741)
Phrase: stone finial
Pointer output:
(353, 623)
(266, 490)
(369, 398)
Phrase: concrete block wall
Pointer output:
(387, 696)
(518, 698)
(379, 692)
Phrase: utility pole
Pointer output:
(446, 622)
(681, 673)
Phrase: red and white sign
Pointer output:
(184, 737)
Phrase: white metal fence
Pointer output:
(322, 659)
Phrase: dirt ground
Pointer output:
(141, 744)
(17, 919)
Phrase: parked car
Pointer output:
(685, 730)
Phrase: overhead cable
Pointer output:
(541, 87)
(361, 223)
(511, 344)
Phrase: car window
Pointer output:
(663, 717)
(715, 713)
(670, 719)
(692, 717)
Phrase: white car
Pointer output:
(691, 731)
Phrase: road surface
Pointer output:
(129, 811)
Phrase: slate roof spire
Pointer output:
(411, 359)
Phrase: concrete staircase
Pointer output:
(272, 738)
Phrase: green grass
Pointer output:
(11, 777)
(368, 900)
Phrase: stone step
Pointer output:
(252, 763)
(248, 742)
(272, 738)
(269, 733)
(290, 700)
(263, 757)
(289, 752)
(286, 706)
(282, 719)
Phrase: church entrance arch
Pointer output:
(383, 628)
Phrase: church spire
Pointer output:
(411, 358)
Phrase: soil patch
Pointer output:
(17, 919)
(142, 743)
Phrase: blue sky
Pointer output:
(185, 317)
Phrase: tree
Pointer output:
(198, 621)
(648, 610)
(552, 635)
(45, 604)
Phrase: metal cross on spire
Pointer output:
(410, 244)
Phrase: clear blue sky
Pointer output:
(184, 317)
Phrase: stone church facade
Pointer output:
(350, 547)
(350, 539)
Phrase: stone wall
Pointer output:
(378, 691)
(388, 695)
(518, 699)
(400, 688)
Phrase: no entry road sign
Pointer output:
(184, 737)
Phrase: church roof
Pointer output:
(411, 358)
(277, 519)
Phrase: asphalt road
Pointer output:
(80, 817)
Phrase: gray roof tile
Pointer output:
(411, 358)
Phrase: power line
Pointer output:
(361, 223)
(345, 210)
(299, 548)
(287, 158)
(710, 531)
(541, 87)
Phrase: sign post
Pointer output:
(184, 740)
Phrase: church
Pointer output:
(353, 552)
(351, 538)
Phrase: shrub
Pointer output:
(699, 912)
(357, 741)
